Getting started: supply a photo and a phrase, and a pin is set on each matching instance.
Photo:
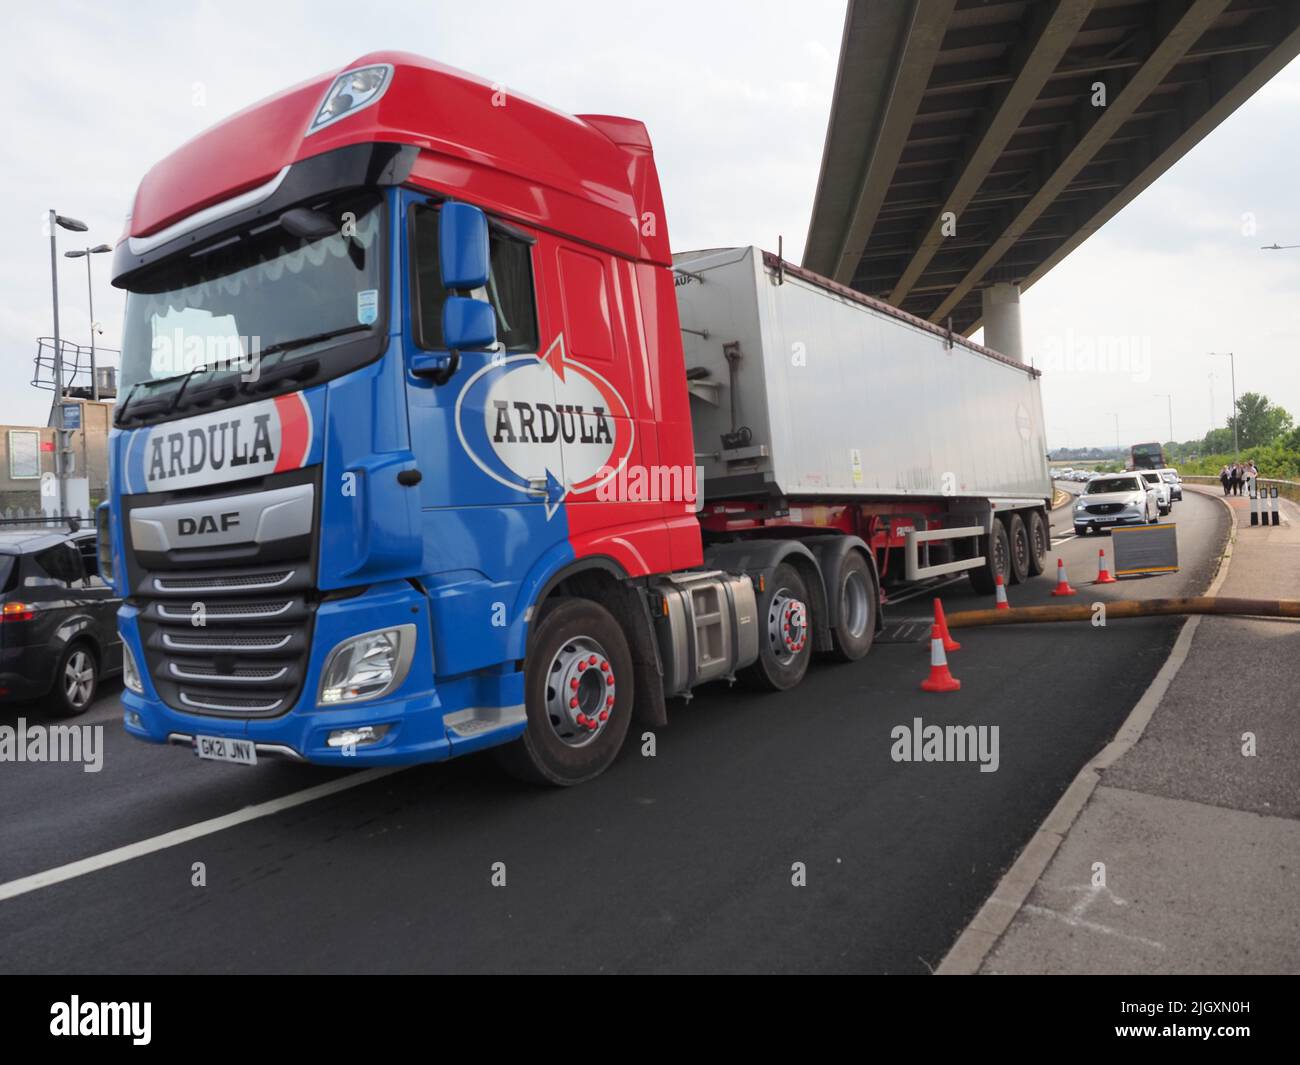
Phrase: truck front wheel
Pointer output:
(784, 632)
(578, 695)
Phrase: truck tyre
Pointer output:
(578, 691)
(784, 632)
(1040, 542)
(858, 602)
(1018, 541)
(76, 680)
(997, 560)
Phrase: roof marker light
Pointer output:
(350, 92)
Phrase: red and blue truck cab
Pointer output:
(394, 339)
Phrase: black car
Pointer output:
(58, 619)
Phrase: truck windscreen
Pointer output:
(254, 300)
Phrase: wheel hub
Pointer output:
(581, 691)
(787, 625)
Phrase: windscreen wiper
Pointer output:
(302, 342)
(298, 371)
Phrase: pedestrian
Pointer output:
(1236, 478)
(1223, 478)
(1251, 476)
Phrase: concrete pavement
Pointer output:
(1185, 857)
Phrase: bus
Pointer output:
(1146, 457)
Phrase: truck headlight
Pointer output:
(130, 671)
(351, 91)
(367, 666)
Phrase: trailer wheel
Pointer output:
(784, 634)
(1040, 541)
(1018, 541)
(858, 603)
(997, 560)
(578, 692)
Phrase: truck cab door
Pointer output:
(478, 436)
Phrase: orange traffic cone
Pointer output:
(1001, 589)
(949, 644)
(1062, 584)
(940, 679)
(1103, 574)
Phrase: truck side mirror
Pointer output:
(468, 324)
(463, 257)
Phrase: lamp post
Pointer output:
(1119, 451)
(86, 253)
(1168, 396)
(1232, 363)
(58, 221)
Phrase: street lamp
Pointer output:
(1168, 396)
(58, 221)
(78, 253)
(1119, 450)
(1236, 442)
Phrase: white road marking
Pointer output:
(183, 835)
(1091, 926)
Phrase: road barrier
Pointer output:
(1131, 608)
(1285, 489)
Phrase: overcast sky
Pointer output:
(736, 97)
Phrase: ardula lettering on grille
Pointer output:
(215, 447)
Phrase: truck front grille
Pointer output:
(228, 641)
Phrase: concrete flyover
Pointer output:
(973, 144)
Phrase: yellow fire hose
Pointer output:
(1131, 608)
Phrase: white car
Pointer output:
(1115, 499)
(1175, 483)
(1156, 481)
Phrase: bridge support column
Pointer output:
(1002, 320)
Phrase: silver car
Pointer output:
(1115, 499)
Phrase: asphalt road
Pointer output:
(678, 862)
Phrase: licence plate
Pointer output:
(222, 749)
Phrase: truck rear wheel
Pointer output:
(997, 560)
(578, 691)
(858, 603)
(1040, 541)
(784, 634)
(1018, 541)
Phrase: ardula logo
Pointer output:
(251, 440)
(544, 424)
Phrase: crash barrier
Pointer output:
(1285, 489)
(1131, 608)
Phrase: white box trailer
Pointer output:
(806, 392)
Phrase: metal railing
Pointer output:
(77, 364)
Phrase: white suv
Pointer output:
(1163, 495)
(1115, 499)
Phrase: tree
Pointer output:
(1258, 421)
(1292, 440)
(1217, 442)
